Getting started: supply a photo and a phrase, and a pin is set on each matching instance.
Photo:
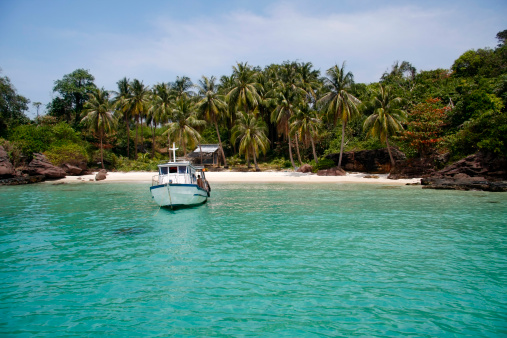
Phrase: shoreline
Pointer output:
(246, 177)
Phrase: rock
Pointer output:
(305, 168)
(471, 183)
(481, 171)
(40, 165)
(72, 170)
(490, 166)
(332, 172)
(101, 175)
(6, 167)
(369, 161)
(413, 168)
(370, 176)
(22, 180)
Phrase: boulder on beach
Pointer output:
(101, 175)
(72, 170)
(40, 165)
(305, 168)
(332, 172)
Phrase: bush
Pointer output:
(67, 153)
(281, 163)
(12, 150)
(324, 163)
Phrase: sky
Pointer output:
(155, 41)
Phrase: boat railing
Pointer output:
(154, 180)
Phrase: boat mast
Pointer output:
(174, 152)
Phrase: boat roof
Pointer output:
(180, 163)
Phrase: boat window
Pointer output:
(182, 170)
(163, 170)
(173, 170)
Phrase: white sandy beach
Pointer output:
(236, 177)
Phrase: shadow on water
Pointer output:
(128, 231)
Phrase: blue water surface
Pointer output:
(295, 260)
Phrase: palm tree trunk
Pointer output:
(221, 148)
(248, 160)
(135, 141)
(142, 137)
(101, 151)
(128, 135)
(297, 149)
(313, 148)
(290, 150)
(168, 146)
(341, 147)
(390, 154)
(153, 142)
(184, 147)
(255, 160)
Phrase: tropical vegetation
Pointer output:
(282, 114)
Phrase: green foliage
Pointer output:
(31, 138)
(12, 107)
(324, 163)
(73, 90)
(280, 163)
(13, 150)
(487, 132)
(71, 153)
(144, 163)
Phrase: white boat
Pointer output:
(179, 184)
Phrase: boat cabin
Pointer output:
(178, 173)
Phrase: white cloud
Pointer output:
(370, 41)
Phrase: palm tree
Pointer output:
(212, 106)
(122, 104)
(306, 123)
(339, 102)
(137, 104)
(386, 118)
(37, 106)
(286, 106)
(251, 133)
(182, 86)
(184, 120)
(243, 93)
(161, 107)
(99, 116)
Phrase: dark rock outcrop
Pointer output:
(481, 164)
(332, 172)
(101, 175)
(413, 168)
(40, 165)
(369, 161)
(22, 180)
(6, 167)
(305, 168)
(460, 182)
(481, 171)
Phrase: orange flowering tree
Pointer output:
(424, 128)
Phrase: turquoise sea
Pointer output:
(270, 260)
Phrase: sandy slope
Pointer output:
(229, 176)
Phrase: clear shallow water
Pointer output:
(256, 260)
